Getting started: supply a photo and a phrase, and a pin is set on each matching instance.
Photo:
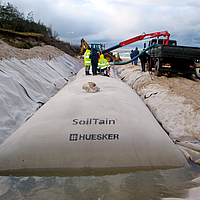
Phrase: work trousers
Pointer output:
(136, 61)
(94, 68)
(87, 68)
(143, 66)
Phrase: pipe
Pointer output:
(196, 73)
(124, 63)
(111, 48)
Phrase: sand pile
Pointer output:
(45, 52)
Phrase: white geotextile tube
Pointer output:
(75, 129)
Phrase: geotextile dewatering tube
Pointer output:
(124, 63)
(107, 138)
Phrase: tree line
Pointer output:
(12, 19)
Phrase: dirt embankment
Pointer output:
(34, 41)
(45, 52)
(189, 88)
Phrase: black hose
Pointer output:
(196, 73)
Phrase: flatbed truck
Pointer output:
(172, 58)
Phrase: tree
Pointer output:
(55, 34)
(12, 19)
(30, 17)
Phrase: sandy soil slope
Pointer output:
(46, 52)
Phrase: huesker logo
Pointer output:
(100, 136)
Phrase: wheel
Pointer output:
(108, 58)
(157, 68)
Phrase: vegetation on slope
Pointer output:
(21, 32)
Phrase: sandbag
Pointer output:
(76, 129)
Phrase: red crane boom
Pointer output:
(140, 37)
(146, 36)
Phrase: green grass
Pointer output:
(35, 35)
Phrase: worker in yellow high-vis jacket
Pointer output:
(103, 65)
(87, 61)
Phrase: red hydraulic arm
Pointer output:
(140, 37)
(146, 36)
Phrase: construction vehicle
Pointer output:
(84, 46)
(100, 48)
(107, 52)
(172, 58)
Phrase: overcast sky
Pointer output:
(113, 21)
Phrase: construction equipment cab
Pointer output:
(85, 46)
(98, 47)
(160, 41)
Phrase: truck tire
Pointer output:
(157, 68)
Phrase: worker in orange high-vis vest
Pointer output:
(87, 61)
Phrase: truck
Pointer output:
(172, 58)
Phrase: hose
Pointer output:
(196, 72)
(124, 63)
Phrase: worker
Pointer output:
(143, 58)
(94, 60)
(87, 61)
(136, 52)
(98, 67)
(104, 66)
(131, 55)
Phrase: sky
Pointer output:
(113, 21)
